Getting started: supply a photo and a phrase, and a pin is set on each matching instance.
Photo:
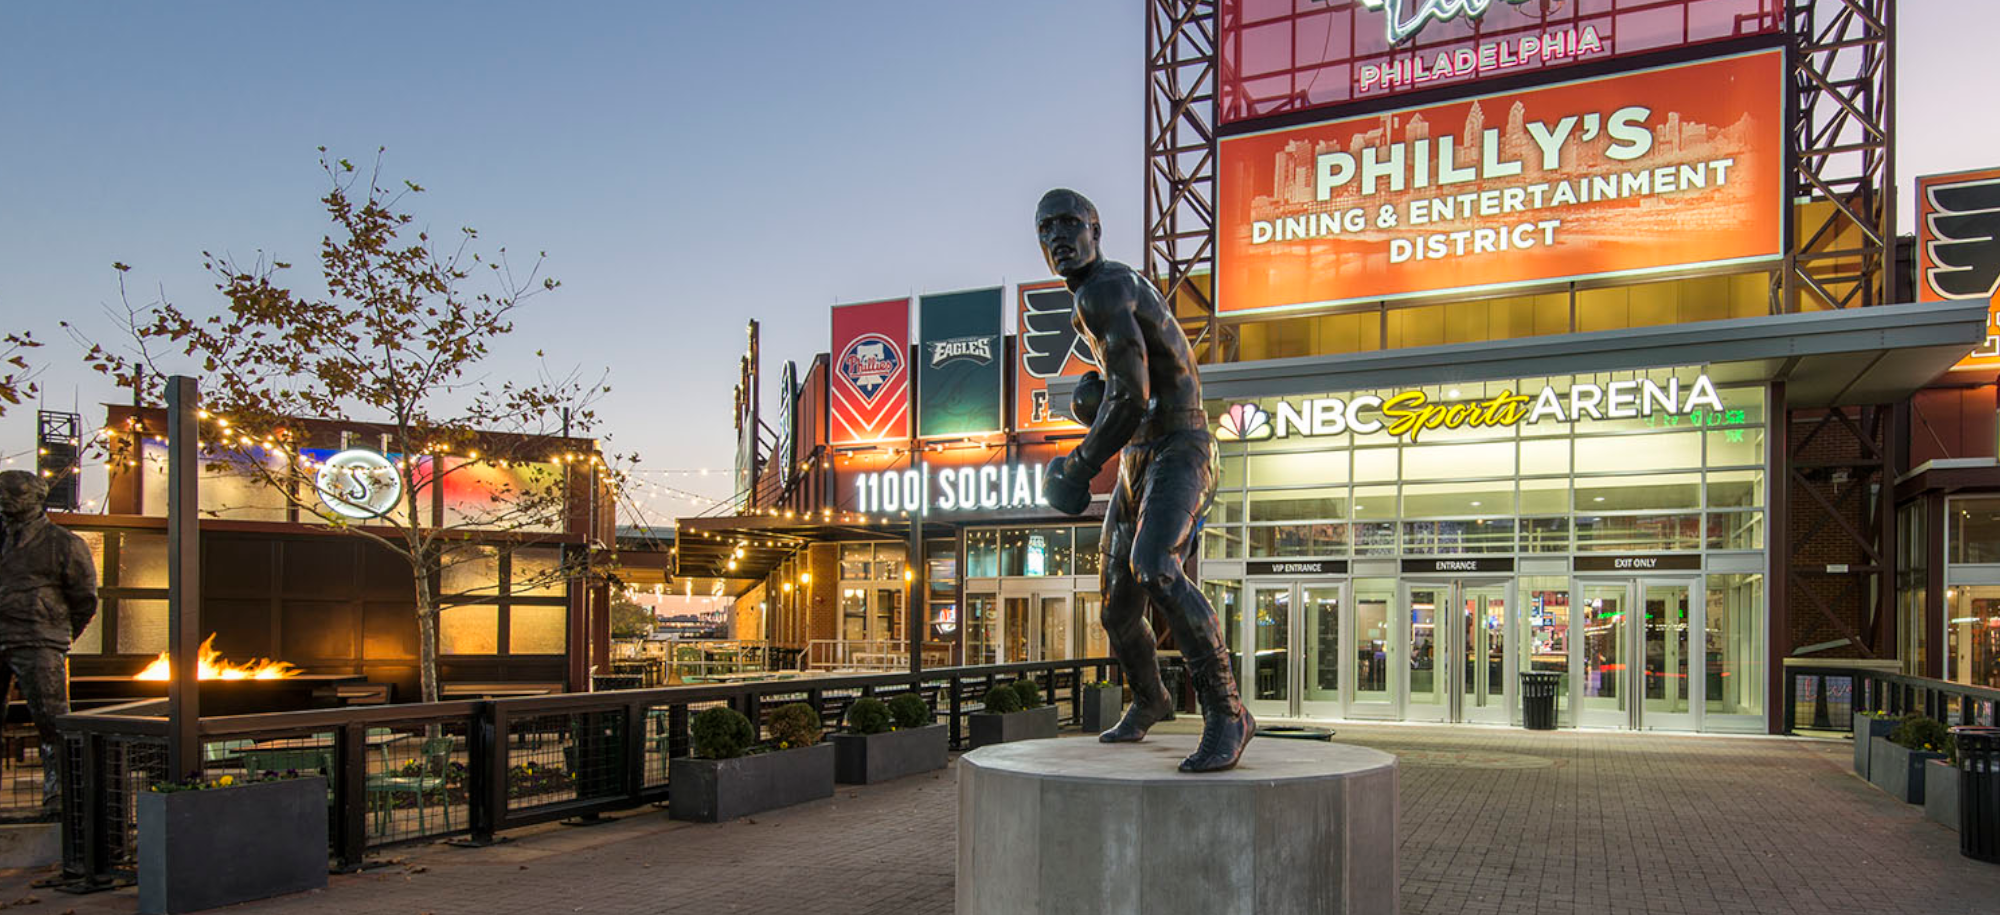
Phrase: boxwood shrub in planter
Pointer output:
(881, 745)
(1897, 761)
(1014, 711)
(1103, 703)
(731, 775)
(204, 845)
(1867, 727)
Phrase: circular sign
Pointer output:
(359, 484)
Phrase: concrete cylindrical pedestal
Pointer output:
(1073, 825)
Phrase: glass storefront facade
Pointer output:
(1031, 594)
(1972, 591)
(1370, 574)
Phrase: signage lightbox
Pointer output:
(1409, 414)
(358, 484)
(959, 363)
(1665, 170)
(1011, 486)
(1284, 56)
(1958, 250)
(1049, 346)
(869, 382)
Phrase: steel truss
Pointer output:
(1843, 153)
(1181, 163)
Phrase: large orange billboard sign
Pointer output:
(1654, 171)
(1958, 250)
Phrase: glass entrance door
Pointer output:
(1376, 659)
(1292, 669)
(1635, 654)
(1036, 626)
(1459, 668)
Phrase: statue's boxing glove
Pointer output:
(1089, 393)
(1067, 486)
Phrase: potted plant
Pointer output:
(1896, 763)
(732, 775)
(1013, 711)
(204, 844)
(1867, 727)
(1103, 703)
(1941, 786)
(886, 740)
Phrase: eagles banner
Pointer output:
(1049, 347)
(959, 362)
(1958, 249)
(869, 387)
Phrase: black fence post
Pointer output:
(957, 701)
(486, 776)
(1791, 701)
(94, 839)
(351, 792)
(635, 751)
(677, 731)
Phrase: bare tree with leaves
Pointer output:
(17, 377)
(399, 342)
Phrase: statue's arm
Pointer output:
(1111, 316)
(79, 587)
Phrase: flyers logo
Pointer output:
(1408, 17)
(1964, 248)
(1048, 336)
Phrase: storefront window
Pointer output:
(1227, 599)
(1544, 535)
(1035, 552)
(1973, 530)
(1638, 533)
(856, 562)
(1662, 492)
(1089, 551)
(471, 629)
(142, 626)
(1455, 500)
(982, 553)
(1484, 535)
(1324, 504)
(535, 629)
(536, 572)
(1913, 585)
(1972, 635)
(1298, 540)
(1222, 543)
(1736, 531)
(1376, 538)
(142, 561)
(1734, 645)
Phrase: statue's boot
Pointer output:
(1150, 704)
(1226, 726)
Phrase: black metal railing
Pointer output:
(472, 768)
(1827, 698)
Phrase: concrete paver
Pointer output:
(1494, 821)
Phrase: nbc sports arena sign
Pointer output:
(1409, 414)
(945, 490)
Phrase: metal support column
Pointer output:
(183, 576)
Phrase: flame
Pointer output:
(215, 667)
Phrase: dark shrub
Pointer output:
(1002, 699)
(795, 725)
(721, 733)
(911, 711)
(868, 715)
(1920, 732)
(1031, 695)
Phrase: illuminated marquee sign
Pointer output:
(359, 484)
(1958, 250)
(1409, 414)
(984, 487)
(1405, 17)
(1666, 170)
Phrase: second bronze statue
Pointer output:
(1145, 409)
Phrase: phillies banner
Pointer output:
(1049, 347)
(959, 363)
(1958, 249)
(870, 382)
(1670, 169)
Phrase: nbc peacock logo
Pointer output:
(1244, 422)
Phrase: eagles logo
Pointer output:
(1964, 238)
(1048, 336)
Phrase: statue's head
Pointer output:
(22, 494)
(1066, 224)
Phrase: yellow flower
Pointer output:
(226, 781)
(784, 745)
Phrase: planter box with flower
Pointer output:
(1014, 711)
(1103, 703)
(1941, 791)
(1867, 727)
(887, 740)
(209, 844)
(731, 775)
(1896, 762)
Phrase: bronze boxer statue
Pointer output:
(48, 594)
(1145, 409)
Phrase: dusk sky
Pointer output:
(685, 166)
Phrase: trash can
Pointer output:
(1538, 699)
(1978, 792)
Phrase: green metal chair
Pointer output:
(390, 783)
(282, 759)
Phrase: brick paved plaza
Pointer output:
(1494, 821)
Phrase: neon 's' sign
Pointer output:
(1403, 21)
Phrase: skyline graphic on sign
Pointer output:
(958, 391)
(1958, 250)
(869, 387)
(1049, 347)
(1670, 169)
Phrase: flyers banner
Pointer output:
(959, 363)
(1661, 170)
(1049, 347)
(870, 383)
(1284, 56)
(1958, 249)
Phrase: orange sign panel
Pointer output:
(1652, 171)
(1958, 250)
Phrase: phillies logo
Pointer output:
(869, 363)
(1408, 17)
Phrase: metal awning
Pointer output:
(705, 547)
(1852, 356)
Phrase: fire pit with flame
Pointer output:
(227, 687)
(213, 666)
